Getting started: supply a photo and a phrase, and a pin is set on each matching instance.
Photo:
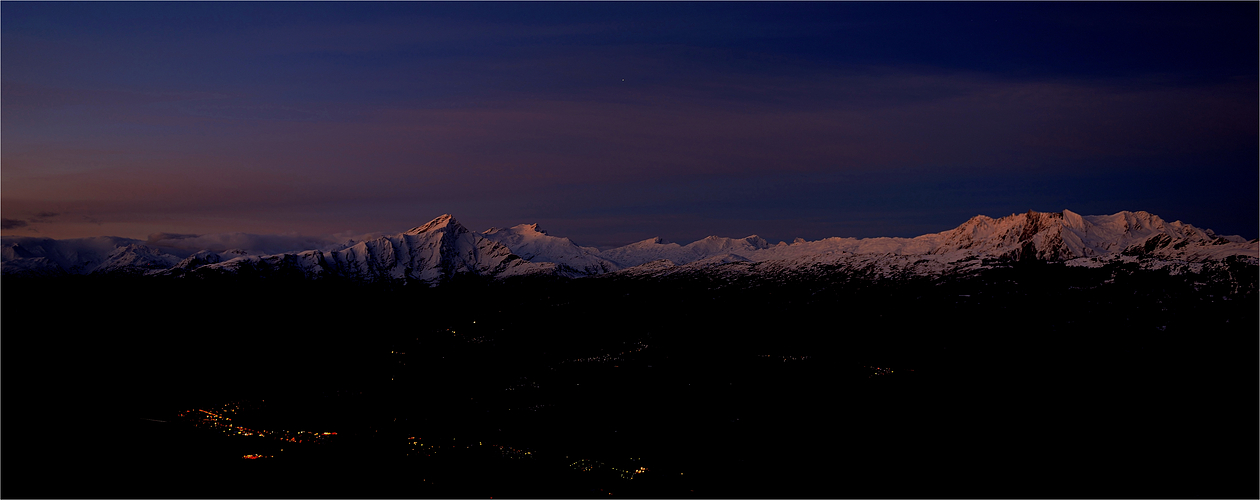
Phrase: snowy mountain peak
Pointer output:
(1061, 236)
(519, 229)
(1073, 220)
(432, 253)
(757, 241)
(442, 222)
(712, 244)
(533, 244)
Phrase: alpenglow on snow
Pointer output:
(443, 248)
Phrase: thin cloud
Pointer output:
(12, 223)
(252, 243)
(156, 237)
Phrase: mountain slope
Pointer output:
(654, 249)
(534, 244)
(1066, 235)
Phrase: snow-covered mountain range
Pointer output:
(443, 248)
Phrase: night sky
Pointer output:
(614, 122)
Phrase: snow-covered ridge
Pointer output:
(443, 248)
(1046, 236)
(430, 253)
(655, 249)
(46, 256)
(534, 244)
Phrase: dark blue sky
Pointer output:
(615, 122)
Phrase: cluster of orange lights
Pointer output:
(219, 421)
(586, 465)
(511, 452)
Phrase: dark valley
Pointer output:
(1021, 379)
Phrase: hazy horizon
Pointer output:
(610, 123)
